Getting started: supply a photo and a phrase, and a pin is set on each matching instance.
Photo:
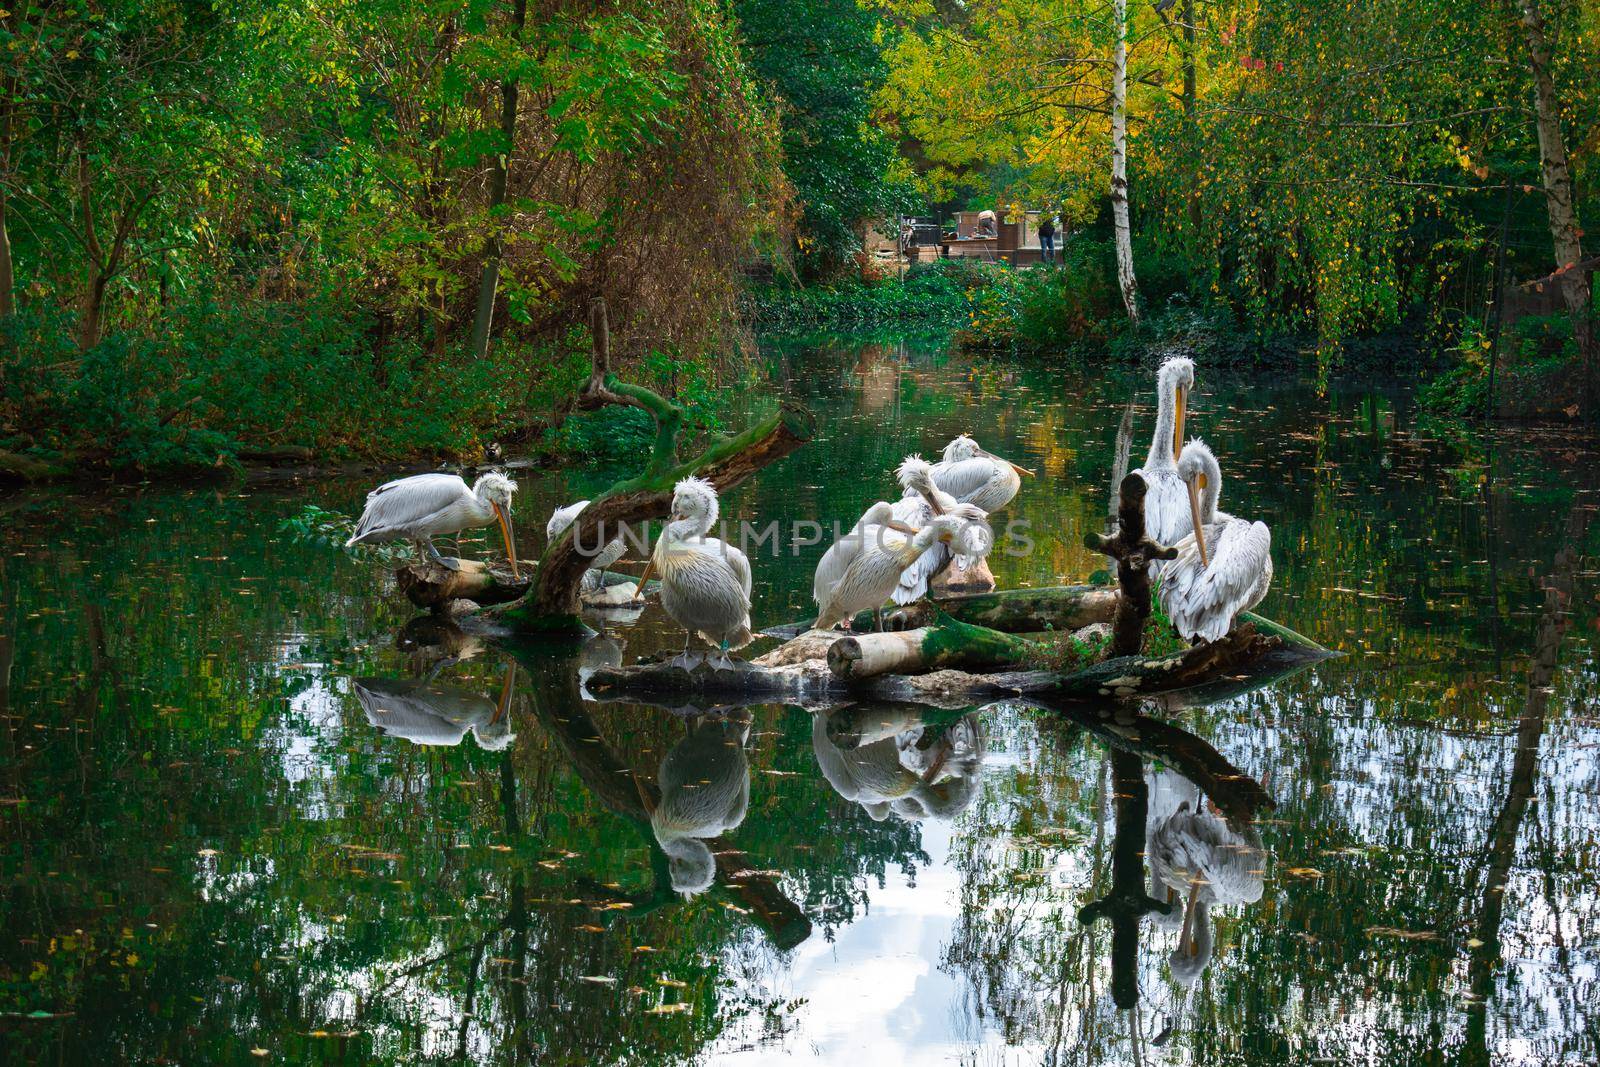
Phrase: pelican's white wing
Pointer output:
(1202, 601)
(968, 478)
(736, 560)
(913, 584)
(395, 507)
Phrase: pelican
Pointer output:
(425, 506)
(705, 792)
(428, 714)
(1213, 580)
(896, 765)
(609, 553)
(885, 552)
(832, 565)
(1198, 854)
(924, 501)
(974, 476)
(705, 584)
(1167, 516)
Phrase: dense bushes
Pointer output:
(1536, 373)
(221, 381)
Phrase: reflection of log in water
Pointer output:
(1500, 854)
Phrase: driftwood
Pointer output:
(432, 586)
(1062, 608)
(552, 604)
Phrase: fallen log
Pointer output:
(1014, 611)
(948, 643)
(1245, 661)
(432, 586)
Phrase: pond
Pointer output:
(244, 821)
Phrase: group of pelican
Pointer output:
(896, 548)
(1227, 569)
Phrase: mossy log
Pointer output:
(1062, 608)
(948, 644)
(552, 605)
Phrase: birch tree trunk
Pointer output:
(1119, 165)
(1558, 195)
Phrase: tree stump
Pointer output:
(1134, 551)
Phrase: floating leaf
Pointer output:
(666, 1009)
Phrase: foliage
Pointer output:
(822, 63)
(1297, 167)
(932, 297)
(225, 380)
(254, 224)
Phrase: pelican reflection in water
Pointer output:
(426, 713)
(891, 761)
(705, 793)
(1199, 859)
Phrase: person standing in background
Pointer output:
(1047, 240)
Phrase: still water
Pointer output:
(253, 812)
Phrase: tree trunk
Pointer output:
(1191, 131)
(1558, 196)
(1133, 552)
(1119, 165)
(494, 250)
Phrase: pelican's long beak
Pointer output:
(1186, 941)
(932, 503)
(1194, 514)
(649, 569)
(900, 526)
(511, 542)
(505, 695)
(645, 802)
(986, 454)
(1177, 426)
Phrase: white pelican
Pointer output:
(831, 567)
(884, 554)
(924, 501)
(609, 553)
(1214, 580)
(705, 584)
(428, 714)
(705, 792)
(1167, 516)
(425, 506)
(1199, 855)
(975, 476)
(895, 764)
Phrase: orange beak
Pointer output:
(1194, 514)
(511, 544)
(1177, 427)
